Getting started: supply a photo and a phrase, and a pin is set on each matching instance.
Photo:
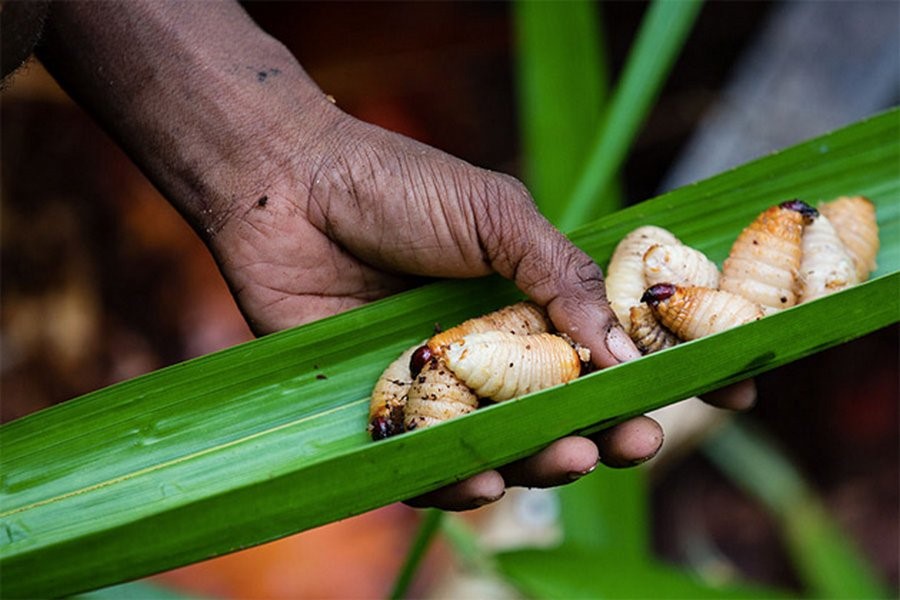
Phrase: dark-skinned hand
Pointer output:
(310, 212)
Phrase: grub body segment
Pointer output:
(625, 281)
(695, 312)
(764, 261)
(826, 266)
(679, 264)
(389, 395)
(522, 318)
(856, 223)
(648, 333)
(437, 395)
(499, 366)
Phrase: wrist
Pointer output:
(238, 140)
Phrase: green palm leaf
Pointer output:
(562, 85)
(267, 438)
(663, 31)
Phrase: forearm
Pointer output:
(202, 99)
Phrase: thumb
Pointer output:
(520, 244)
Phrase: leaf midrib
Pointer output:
(184, 458)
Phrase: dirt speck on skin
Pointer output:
(263, 75)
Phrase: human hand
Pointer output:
(368, 212)
(310, 212)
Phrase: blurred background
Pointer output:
(102, 281)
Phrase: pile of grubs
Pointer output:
(662, 292)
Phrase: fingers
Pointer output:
(630, 443)
(561, 462)
(737, 396)
(564, 461)
(520, 244)
(467, 494)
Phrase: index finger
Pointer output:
(520, 244)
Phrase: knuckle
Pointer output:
(500, 196)
(570, 270)
(505, 217)
(511, 189)
(586, 275)
(522, 245)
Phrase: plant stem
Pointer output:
(430, 525)
(562, 89)
(662, 33)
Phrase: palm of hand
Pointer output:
(285, 272)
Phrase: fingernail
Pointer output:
(479, 502)
(576, 475)
(620, 345)
(627, 464)
(642, 460)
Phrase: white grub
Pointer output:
(764, 261)
(648, 333)
(437, 395)
(826, 266)
(625, 280)
(521, 318)
(856, 224)
(499, 366)
(388, 398)
(695, 312)
(679, 264)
